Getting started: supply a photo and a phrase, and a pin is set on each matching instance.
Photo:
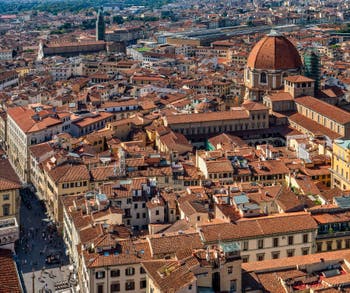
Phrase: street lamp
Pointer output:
(33, 281)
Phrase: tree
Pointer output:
(118, 19)
(66, 26)
(88, 24)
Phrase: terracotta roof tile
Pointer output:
(39, 150)
(298, 79)
(312, 126)
(91, 120)
(248, 228)
(210, 116)
(280, 96)
(129, 252)
(168, 275)
(170, 243)
(325, 109)
(192, 207)
(219, 166)
(9, 279)
(23, 118)
(274, 52)
(260, 266)
(8, 177)
(69, 173)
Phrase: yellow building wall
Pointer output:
(340, 167)
(13, 201)
(54, 196)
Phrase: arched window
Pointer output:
(263, 77)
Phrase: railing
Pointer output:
(333, 234)
(9, 231)
(8, 223)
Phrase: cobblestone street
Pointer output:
(38, 240)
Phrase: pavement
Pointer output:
(39, 239)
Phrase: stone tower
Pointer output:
(100, 26)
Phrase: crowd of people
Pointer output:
(40, 249)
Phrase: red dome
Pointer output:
(274, 52)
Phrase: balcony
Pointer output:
(334, 234)
(9, 231)
(333, 230)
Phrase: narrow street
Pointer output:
(38, 240)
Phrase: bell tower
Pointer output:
(100, 26)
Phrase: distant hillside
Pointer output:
(55, 6)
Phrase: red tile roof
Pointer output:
(129, 253)
(168, 275)
(211, 116)
(39, 150)
(274, 52)
(325, 109)
(280, 96)
(312, 126)
(170, 243)
(298, 79)
(24, 119)
(8, 177)
(287, 263)
(69, 173)
(263, 226)
(91, 120)
(9, 279)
